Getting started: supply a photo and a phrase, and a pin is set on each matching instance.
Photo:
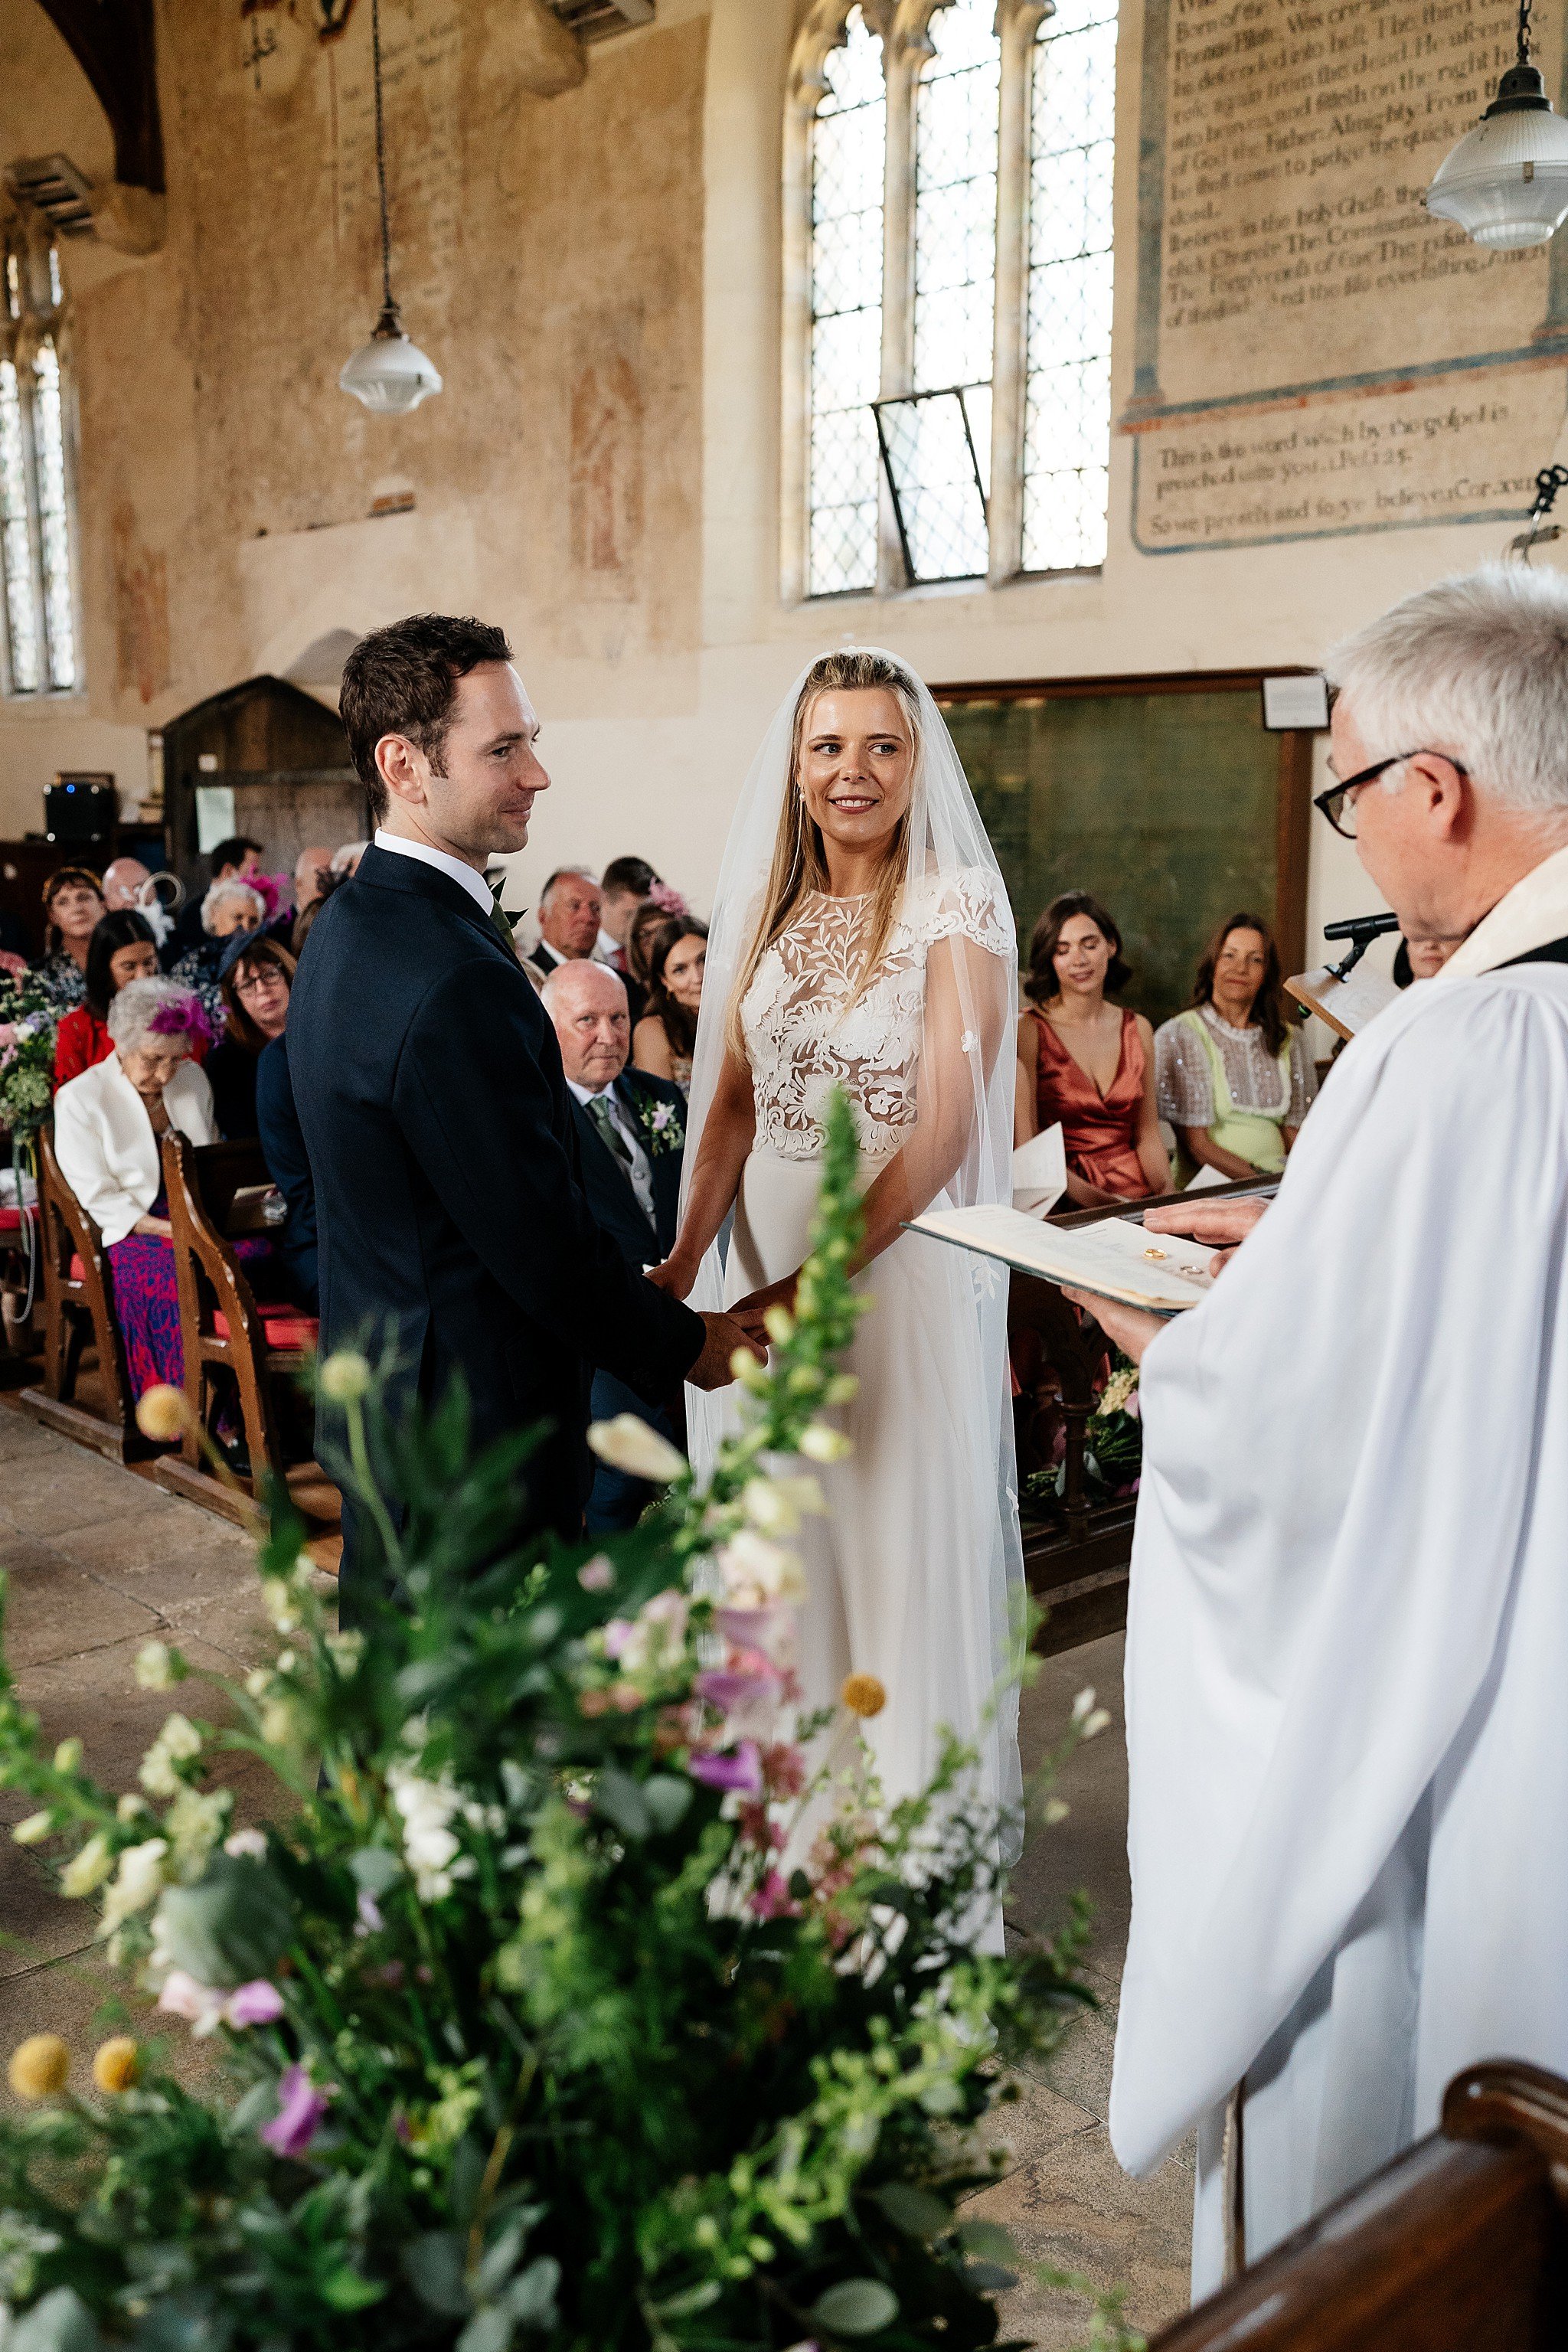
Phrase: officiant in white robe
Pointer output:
(1348, 1628)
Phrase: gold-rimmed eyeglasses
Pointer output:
(1336, 802)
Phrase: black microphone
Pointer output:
(1361, 931)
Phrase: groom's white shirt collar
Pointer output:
(474, 884)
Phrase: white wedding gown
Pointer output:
(908, 1572)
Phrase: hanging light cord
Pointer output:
(1524, 7)
(389, 307)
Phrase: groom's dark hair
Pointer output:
(403, 680)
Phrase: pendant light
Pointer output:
(1506, 183)
(389, 374)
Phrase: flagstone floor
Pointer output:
(98, 1560)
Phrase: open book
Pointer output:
(1347, 1005)
(1116, 1259)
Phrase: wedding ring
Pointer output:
(1156, 1253)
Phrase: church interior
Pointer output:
(1100, 359)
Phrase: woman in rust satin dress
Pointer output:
(1086, 1063)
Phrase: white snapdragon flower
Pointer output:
(155, 1666)
(429, 1847)
(656, 1636)
(178, 1742)
(776, 1504)
(757, 1572)
(628, 1444)
(87, 1871)
(819, 1443)
(139, 1879)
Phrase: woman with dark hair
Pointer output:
(664, 1039)
(121, 949)
(254, 977)
(1086, 1063)
(1232, 1075)
(73, 908)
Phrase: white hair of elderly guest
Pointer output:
(347, 855)
(231, 887)
(1475, 668)
(134, 1008)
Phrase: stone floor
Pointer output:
(98, 1560)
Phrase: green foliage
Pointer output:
(569, 2000)
(27, 1023)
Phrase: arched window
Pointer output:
(1067, 404)
(40, 641)
(849, 142)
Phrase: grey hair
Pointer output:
(584, 874)
(1475, 668)
(347, 855)
(554, 978)
(231, 887)
(134, 1009)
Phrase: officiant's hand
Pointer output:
(1225, 1223)
(711, 1369)
(1128, 1327)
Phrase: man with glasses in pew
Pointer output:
(1347, 1626)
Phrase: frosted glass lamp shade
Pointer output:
(1506, 183)
(389, 374)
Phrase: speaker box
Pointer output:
(80, 809)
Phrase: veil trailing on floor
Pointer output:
(957, 1151)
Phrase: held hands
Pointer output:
(750, 1312)
(725, 1334)
(677, 1275)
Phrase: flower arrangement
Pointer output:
(1113, 1449)
(583, 1995)
(662, 1126)
(27, 1024)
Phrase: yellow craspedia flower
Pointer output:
(116, 2063)
(40, 2066)
(863, 1695)
(161, 1414)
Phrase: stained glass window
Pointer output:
(1067, 410)
(847, 155)
(39, 624)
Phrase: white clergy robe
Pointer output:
(1347, 1628)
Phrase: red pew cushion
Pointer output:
(79, 1271)
(285, 1326)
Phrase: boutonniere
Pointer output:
(661, 1125)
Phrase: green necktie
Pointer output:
(599, 1112)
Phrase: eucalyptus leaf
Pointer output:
(666, 1799)
(531, 2299)
(989, 2278)
(234, 1924)
(375, 1869)
(432, 2266)
(60, 2322)
(488, 2331)
(346, 2289)
(988, 2240)
(499, 2262)
(915, 2211)
(620, 1799)
(855, 2307)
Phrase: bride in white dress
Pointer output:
(862, 938)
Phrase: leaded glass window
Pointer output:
(1067, 410)
(38, 643)
(847, 158)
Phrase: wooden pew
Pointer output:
(1459, 2245)
(224, 1329)
(1076, 1562)
(78, 1307)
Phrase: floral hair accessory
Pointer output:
(667, 900)
(186, 1019)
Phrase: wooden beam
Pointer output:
(113, 43)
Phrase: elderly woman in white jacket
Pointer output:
(109, 1128)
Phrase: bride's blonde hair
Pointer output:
(799, 864)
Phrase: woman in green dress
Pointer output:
(1231, 1076)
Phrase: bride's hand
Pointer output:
(751, 1312)
(677, 1275)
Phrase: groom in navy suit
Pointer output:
(631, 1130)
(450, 1205)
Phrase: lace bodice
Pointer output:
(800, 1040)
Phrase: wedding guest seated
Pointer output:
(625, 887)
(1420, 958)
(569, 909)
(122, 950)
(127, 884)
(346, 857)
(283, 1145)
(230, 906)
(109, 1124)
(236, 858)
(631, 1130)
(1232, 1075)
(310, 867)
(660, 907)
(73, 909)
(255, 977)
(664, 1039)
(1085, 1063)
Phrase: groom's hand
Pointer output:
(711, 1369)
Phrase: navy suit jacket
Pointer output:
(289, 1165)
(643, 1241)
(449, 1201)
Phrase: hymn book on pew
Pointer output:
(1161, 1273)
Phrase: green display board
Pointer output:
(1167, 806)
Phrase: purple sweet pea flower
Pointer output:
(730, 1691)
(367, 1915)
(741, 1768)
(301, 2107)
(256, 2004)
